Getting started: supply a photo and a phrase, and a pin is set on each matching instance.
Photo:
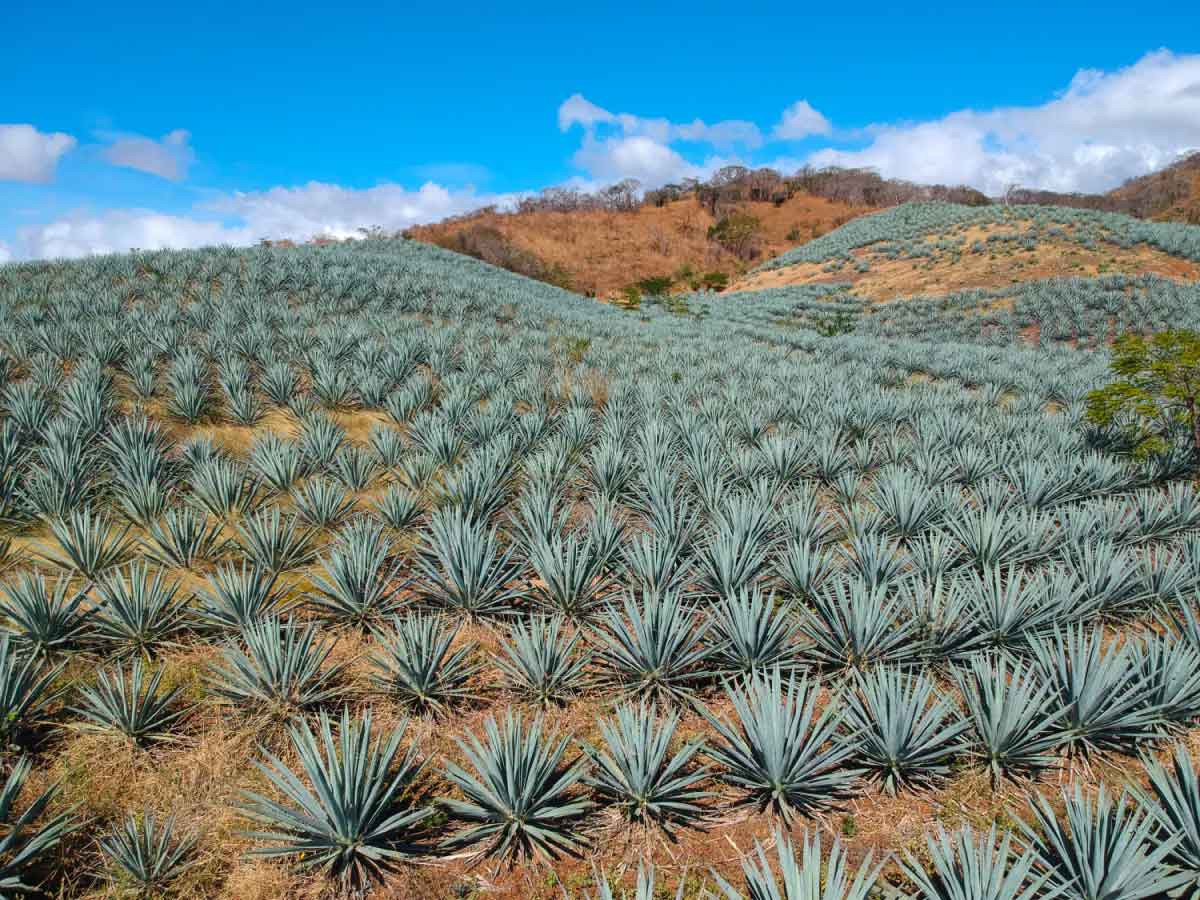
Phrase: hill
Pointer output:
(260, 505)
(599, 252)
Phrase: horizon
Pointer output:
(228, 126)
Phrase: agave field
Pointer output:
(370, 568)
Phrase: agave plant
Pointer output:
(277, 462)
(654, 648)
(635, 770)
(1172, 668)
(1103, 849)
(147, 855)
(130, 704)
(1175, 809)
(905, 729)
(26, 688)
(322, 503)
(539, 664)
(397, 508)
(750, 632)
(237, 598)
(1015, 718)
(224, 489)
(852, 626)
(88, 544)
(812, 876)
(359, 584)
(184, 537)
(1106, 697)
(963, 867)
(350, 821)
(281, 670)
(518, 802)
(138, 613)
(45, 619)
(415, 663)
(276, 544)
(24, 843)
(572, 575)
(785, 756)
(464, 569)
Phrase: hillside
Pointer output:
(600, 252)
(261, 505)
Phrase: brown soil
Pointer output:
(890, 279)
(603, 252)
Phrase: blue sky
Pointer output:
(169, 124)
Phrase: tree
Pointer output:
(1158, 391)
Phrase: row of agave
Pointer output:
(356, 805)
(919, 220)
(541, 454)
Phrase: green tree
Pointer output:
(1157, 392)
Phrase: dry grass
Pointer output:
(605, 251)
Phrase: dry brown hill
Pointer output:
(600, 251)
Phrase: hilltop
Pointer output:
(711, 234)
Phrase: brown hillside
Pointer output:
(599, 252)
(888, 279)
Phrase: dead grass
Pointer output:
(605, 251)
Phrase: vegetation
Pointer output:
(341, 510)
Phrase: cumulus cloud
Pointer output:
(624, 145)
(168, 157)
(5, 252)
(27, 154)
(1103, 128)
(800, 120)
(297, 213)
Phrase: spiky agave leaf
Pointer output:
(784, 755)
(350, 820)
(654, 648)
(360, 582)
(130, 704)
(398, 508)
(751, 632)
(88, 544)
(240, 597)
(905, 730)
(963, 867)
(572, 573)
(518, 802)
(138, 613)
(274, 543)
(22, 843)
(851, 626)
(45, 618)
(539, 664)
(26, 688)
(1015, 717)
(1106, 697)
(415, 663)
(281, 670)
(463, 567)
(148, 854)
(812, 876)
(1175, 808)
(635, 770)
(1103, 849)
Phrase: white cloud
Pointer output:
(27, 154)
(1103, 129)
(298, 213)
(800, 120)
(649, 161)
(578, 110)
(167, 158)
(5, 252)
